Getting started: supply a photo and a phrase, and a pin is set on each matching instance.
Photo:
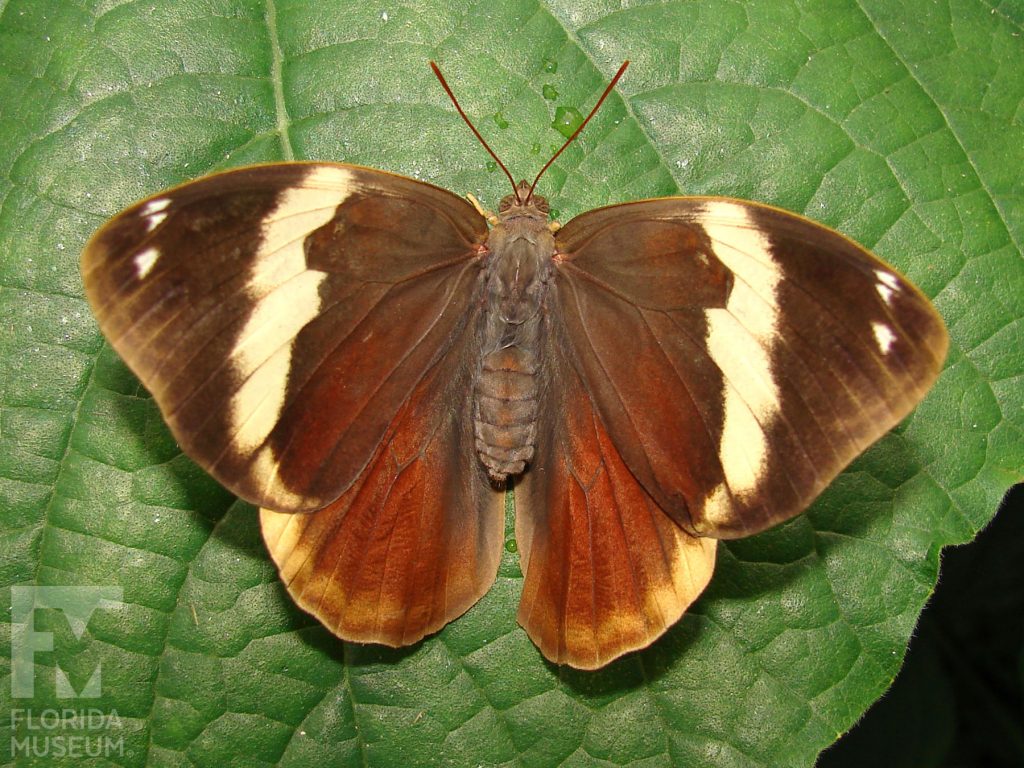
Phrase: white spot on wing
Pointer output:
(887, 286)
(156, 206)
(155, 212)
(884, 336)
(740, 339)
(286, 296)
(144, 261)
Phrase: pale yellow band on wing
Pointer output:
(741, 337)
(286, 297)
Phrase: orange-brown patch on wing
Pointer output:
(413, 543)
(606, 570)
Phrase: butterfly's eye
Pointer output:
(542, 204)
(506, 203)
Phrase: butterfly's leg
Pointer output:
(491, 218)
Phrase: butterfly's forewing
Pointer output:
(281, 315)
(416, 539)
(765, 352)
(605, 570)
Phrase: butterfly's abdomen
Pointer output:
(505, 418)
(505, 388)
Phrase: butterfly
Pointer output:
(372, 360)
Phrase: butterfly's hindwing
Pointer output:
(606, 571)
(416, 539)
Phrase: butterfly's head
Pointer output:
(521, 202)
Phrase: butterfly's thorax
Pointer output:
(505, 391)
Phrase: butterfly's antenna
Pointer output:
(476, 133)
(576, 133)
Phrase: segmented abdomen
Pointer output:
(505, 410)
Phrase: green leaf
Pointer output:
(898, 124)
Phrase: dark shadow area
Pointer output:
(958, 702)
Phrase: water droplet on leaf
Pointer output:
(535, 149)
(549, 92)
(550, 65)
(491, 166)
(511, 546)
(500, 120)
(567, 120)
